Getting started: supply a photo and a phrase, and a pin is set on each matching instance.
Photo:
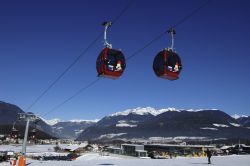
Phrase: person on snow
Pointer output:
(209, 155)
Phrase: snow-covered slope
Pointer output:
(236, 116)
(244, 121)
(86, 121)
(71, 129)
(51, 122)
(94, 159)
(143, 111)
(154, 112)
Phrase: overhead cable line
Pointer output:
(71, 97)
(191, 14)
(123, 11)
(63, 73)
(129, 57)
(174, 26)
(147, 45)
(78, 57)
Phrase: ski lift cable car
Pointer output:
(33, 132)
(14, 131)
(167, 64)
(111, 62)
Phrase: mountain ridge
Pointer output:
(132, 124)
(139, 122)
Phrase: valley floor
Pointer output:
(94, 159)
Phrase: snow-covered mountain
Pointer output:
(86, 121)
(149, 122)
(242, 120)
(9, 117)
(138, 122)
(143, 111)
(51, 122)
(72, 128)
(236, 116)
(153, 111)
(46, 128)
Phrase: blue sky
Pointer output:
(39, 39)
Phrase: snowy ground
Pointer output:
(94, 159)
(29, 149)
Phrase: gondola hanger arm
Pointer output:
(172, 32)
(106, 25)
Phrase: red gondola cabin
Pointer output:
(110, 63)
(167, 64)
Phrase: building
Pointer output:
(114, 150)
(236, 149)
(75, 148)
(133, 150)
(177, 150)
